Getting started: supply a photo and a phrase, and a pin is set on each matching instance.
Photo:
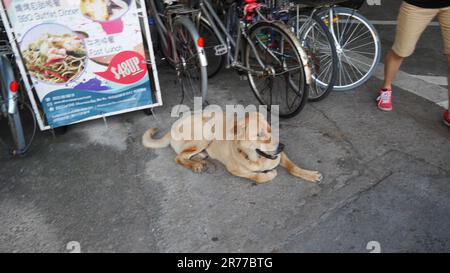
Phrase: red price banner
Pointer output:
(127, 67)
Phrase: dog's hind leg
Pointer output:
(189, 156)
(310, 176)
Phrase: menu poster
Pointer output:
(86, 58)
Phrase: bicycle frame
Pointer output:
(331, 29)
(233, 46)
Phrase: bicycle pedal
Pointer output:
(243, 77)
(220, 50)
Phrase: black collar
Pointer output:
(267, 171)
(280, 149)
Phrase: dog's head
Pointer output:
(255, 137)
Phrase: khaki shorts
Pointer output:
(412, 22)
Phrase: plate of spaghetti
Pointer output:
(53, 54)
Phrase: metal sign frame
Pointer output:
(29, 86)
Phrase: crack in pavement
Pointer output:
(371, 168)
(341, 137)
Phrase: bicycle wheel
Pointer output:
(191, 64)
(216, 59)
(319, 45)
(358, 46)
(279, 76)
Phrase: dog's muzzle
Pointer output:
(274, 156)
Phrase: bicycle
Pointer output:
(315, 39)
(10, 100)
(356, 40)
(267, 52)
(182, 46)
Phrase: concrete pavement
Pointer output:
(386, 180)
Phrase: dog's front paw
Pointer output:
(314, 177)
(199, 167)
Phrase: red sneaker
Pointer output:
(447, 118)
(385, 100)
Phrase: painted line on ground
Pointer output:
(444, 104)
(439, 80)
(394, 23)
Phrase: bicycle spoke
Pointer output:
(364, 45)
(358, 40)
(356, 60)
(356, 35)
(344, 30)
(351, 35)
(360, 52)
(350, 67)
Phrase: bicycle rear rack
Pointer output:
(5, 48)
(180, 10)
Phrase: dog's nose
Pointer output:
(281, 147)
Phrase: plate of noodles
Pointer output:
(104, 10)
(53, 53)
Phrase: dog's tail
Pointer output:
(149, 142)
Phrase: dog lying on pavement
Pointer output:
(253, 154)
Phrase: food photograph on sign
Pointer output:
(58, 57)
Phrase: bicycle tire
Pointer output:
(200, 57)
(374, 61)
(320, 87)
(300, 56)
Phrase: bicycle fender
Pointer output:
(187, 22)
(303, 56)
(8, 74)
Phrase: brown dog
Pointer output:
(253, 154)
